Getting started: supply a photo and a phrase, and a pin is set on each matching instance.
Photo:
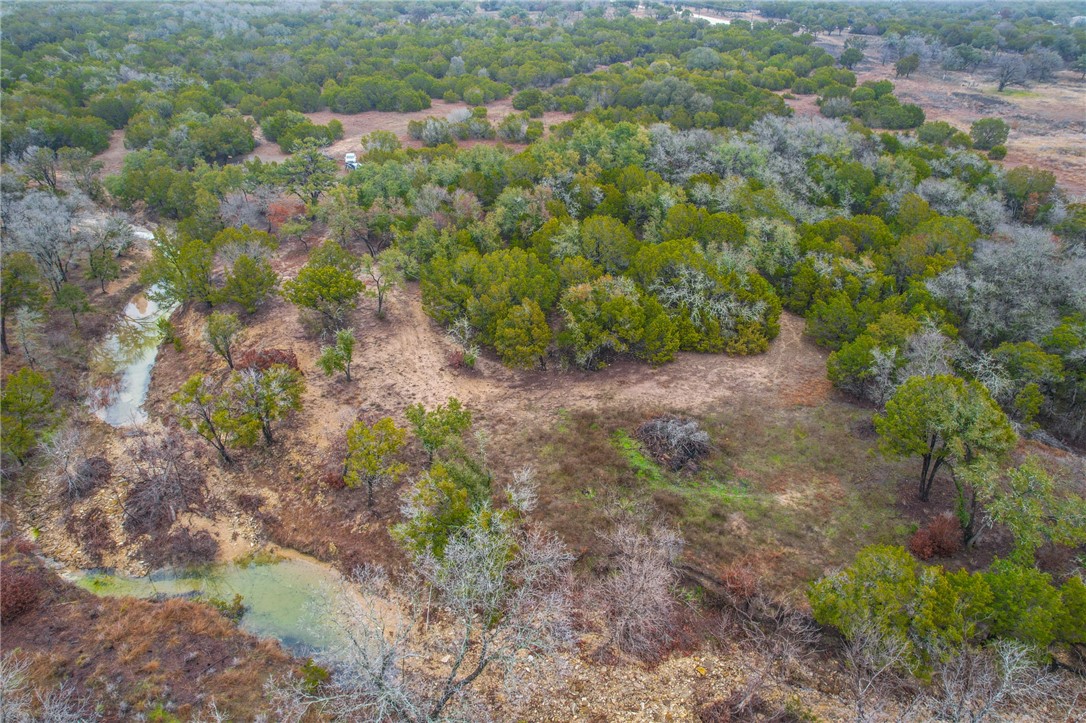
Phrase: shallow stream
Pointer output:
(294, 599)
(127, 356)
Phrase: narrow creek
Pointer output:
(292, 598)
(126, 357)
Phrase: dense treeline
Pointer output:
(187, 79)
(880, 240)
(1013, 43)
(1015, 27)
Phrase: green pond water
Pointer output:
(293, 600)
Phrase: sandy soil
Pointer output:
(403, 360)
(113, 157)
(1048, 120)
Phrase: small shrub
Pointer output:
(313, 676)
(673, 441)
(740, 582)
(264, 359)
(463, 358)
(333, 480)
(92, 529)
(249, 503)
(232, 610)
(169, 334)
(22, 586)
(1057, 560)
(998, 153)
(942, 537)
(92, 473)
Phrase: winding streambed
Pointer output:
(128, 355)
(293, 598)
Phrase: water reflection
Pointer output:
(125, 359)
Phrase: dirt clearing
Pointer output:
(359, 124)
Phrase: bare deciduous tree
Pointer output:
(23, 702)
(248, 207)
(1042, 63)
(971, 685)
(44, 225)
(873, 660)
(782, 635)
(1015, 288)
(503, 603)
(929, 352)
(164, 483)
(64, 450)
(636, 598)
(40, 165)
(82, 170)
(1009, 69)
(28, 335)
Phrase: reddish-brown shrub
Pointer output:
(263, 359)
(21, 586)
(181, 547)
(249, 503)
(92, 530)
(740, 582)
(333, 480)
(1056, 560)
(456, 359)
(283, 211)
(942, 537)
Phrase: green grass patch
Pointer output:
(1016, 93)
(257, 558)
(644, 468)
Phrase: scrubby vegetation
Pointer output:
(623, 337)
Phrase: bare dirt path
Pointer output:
(405, 362)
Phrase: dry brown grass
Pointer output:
(129, 655)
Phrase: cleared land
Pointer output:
(356, 125)
(1047, 120)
